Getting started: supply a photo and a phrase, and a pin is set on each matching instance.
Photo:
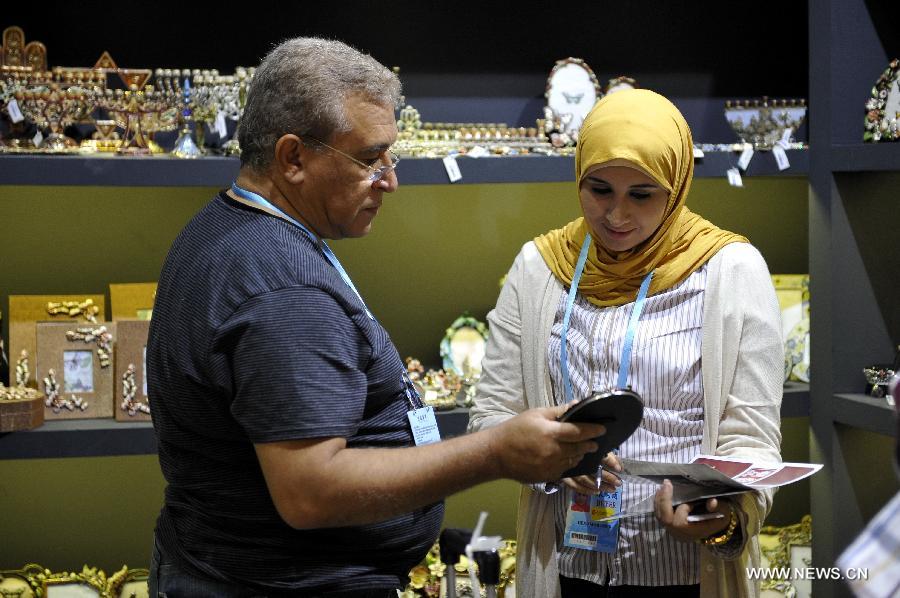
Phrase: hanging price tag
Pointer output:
(780, 156)
(786, 136)
(477, 152)
(734, 177)
(37, 139)
(452, 169)
(221, 129)
(746, 156)
(15, 114)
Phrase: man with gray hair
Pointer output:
(299, 458)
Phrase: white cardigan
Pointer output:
(742, 359)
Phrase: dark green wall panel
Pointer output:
(435, 251)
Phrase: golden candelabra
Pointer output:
(141, 113)
(436, 139)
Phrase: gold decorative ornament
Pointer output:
(86, 309)
(130, 404)
(100, 336)
(55, 401)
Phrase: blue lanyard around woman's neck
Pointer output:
(629, 335)
(266, 205)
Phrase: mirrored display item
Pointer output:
(572, 90)
(883, 108)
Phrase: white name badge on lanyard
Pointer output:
(424, 425)
(421, 417)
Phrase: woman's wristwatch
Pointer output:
(724, 536)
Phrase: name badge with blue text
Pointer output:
(424, 425)
(584, 529)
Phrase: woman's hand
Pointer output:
(608, 480)
(674, 519)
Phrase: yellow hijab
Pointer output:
(646, 130)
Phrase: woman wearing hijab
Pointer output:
(706, 357)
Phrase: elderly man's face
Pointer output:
(339, 190)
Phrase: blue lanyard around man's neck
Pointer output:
(629, 335)
(266, 205)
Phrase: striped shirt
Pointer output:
(871, 564)
(256, 338)
(665, 370)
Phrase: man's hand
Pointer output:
(608, 480)
(675, 519)
(535, 447)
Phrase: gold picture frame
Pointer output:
(24, 313)
(131, 399)
(132, 300)
(36, 581)
(18, 583)
(80, 385)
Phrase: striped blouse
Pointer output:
(665, 370)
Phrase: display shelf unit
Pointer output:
(853, 308)
(795, 401)
(865, 412)
(868, 157)
(165, 171)
(107, 437)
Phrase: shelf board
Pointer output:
(795, 401)
(865, 157)
(107, 437)
(166, 171)
(865, 412)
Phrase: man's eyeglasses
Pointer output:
(375, 174)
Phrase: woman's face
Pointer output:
(622, 205)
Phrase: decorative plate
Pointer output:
(883, 108)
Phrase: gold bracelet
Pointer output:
(724, 536)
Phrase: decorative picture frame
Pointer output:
(619, 83)
(26, 310)
(131, 300)
(131, 400)
(882, 122)
(792, 548)
(128, 583)
(18, 583)
(71, 587)
(74, 364)
(36, 581)
(572, 89)
(463, 345)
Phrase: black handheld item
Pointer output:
(488, 566)
(620, 410)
